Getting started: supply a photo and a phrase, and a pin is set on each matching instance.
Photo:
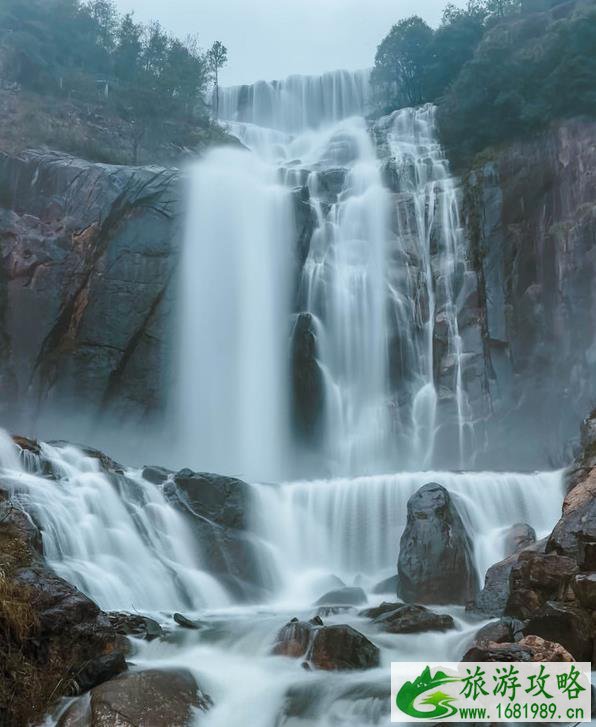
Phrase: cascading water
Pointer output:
(381, 281)
(299, 102)
(113, 537)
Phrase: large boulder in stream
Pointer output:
(215, 508)
(330, 648)
(401, 618)
(152, 698)
(435, 562)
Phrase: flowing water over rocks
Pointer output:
(327, 357)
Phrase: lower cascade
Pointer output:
(121, 539)
(322, 369)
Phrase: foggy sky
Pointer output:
(269, 39)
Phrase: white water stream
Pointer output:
(382, 266)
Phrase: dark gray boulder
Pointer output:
(215, 508)
(412, 619)
(435, 562)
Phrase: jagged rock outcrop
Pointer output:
(435, 554)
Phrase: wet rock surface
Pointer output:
(519, 536)
(156, 698)
(529, 213)
(336, 647)
(410, 619)
(132, 624)
(215, 508)
(435, 554)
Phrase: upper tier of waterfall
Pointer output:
(348, 234)
(298, 103)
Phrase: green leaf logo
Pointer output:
(442, 703)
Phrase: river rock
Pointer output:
(412, 619)
(155, 698)
(340, 647)
(435, 562)
(571, 627)
(133, 624)
(99, 670)
(518, 537)
(185, 622)
(330, 648)
(492, 651)
(348, 596)
(505, 630)
(376, 611)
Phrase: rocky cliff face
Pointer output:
(531, 218)
(86, 298)
(88, 254)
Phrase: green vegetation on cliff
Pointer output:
(82, 54)
(498, 70)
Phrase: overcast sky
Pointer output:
(268, 39)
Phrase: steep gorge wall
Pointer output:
(531, 218)
(88, 252)
(87, 257)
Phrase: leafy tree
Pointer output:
(528, 71)
(127, 54)
(217, 58)
(401, 61)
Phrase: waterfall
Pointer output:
(114, 537)
(234, 311)
(298, 102)
(350, 528)
(430, 251)
(384, 280)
